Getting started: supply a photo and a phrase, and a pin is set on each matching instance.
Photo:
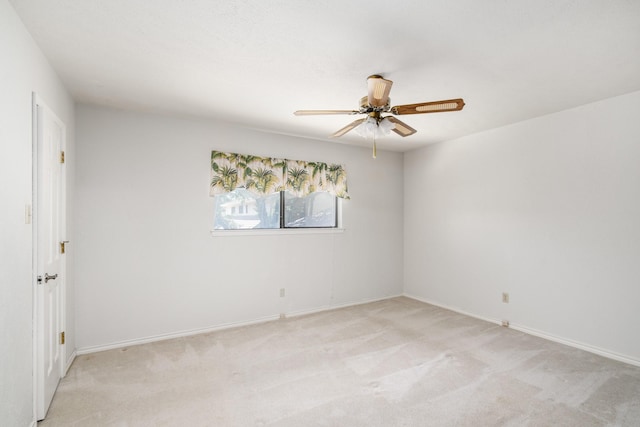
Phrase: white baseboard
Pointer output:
(180, 334)
(530, 331)
(586, 347)
(298, 313)
(456, 309)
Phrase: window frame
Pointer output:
(283, 229)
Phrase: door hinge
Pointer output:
(61, 337)
(62, 248)
(62, 157)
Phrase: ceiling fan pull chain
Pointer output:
(375, 153)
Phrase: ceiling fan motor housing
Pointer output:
(365, 108)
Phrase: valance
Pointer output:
(266, 175)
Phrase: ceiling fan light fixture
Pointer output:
(373, 129)
(385, 126)
(367, 129)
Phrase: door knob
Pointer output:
(47, 277)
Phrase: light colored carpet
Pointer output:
(397, 362)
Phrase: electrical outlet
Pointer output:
(505, 297)
(281, 292)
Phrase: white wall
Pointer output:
(547, 210)
(147, 264)
(23, 71)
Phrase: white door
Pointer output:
(50, 223)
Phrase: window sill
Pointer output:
(275, 232)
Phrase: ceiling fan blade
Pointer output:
(379, 89)
(429, 107)
(323, 112)
(401, 128)
(347, 128)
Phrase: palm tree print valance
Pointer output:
(266, 175)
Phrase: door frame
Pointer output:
(35, 217)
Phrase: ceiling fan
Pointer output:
(376, 103)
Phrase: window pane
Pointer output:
(242, 209)
(314, 210)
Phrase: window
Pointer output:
(316, 210)
(253, 192)
(242, 209)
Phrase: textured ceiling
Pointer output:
(253, 62)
